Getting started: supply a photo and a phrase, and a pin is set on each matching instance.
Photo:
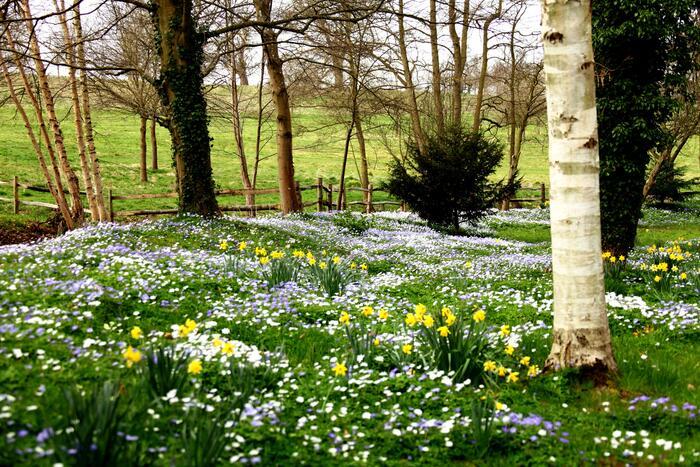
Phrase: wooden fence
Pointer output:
(327, 197)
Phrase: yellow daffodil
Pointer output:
(312, 261)
(132, 356)
(657, 278)
(136, 332)
(194, 367)
(376, 342)
(501, 370)
(428, 321)
(383, 314)
(513, 377)
(613, 259)
(490, 365)
(363, 266)
(298, 254)
(444, 331)
(340, 369)
(264, 260)
(450, 319)
(367, 311)
(353, 265)
(622, 257)
(344, 318)
(217, 342)
(420, 310)
(468, 265)
(509, 350)
(534, 370)
(505, 330)
(479, 316)
(606, 255)
(223, 245)
(411, 319)
(525, 361)
(323, 265)
(407, 348)
(336, 260)
(500, 406)
(277, 254)
(242, 246)
(445, 312)
(683, 276)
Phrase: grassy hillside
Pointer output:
(318, 153)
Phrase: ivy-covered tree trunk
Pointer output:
(180, 47)
(581, 336)
(644, 49)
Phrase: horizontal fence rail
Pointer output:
(325, 196)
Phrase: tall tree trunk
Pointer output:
(242, 67)
(181, 49)
(154, 143)
(364, 166)
(581, 333)
(459, 56)
(143, 159)
(436, 73)
(98, 188)
(77, 111)
(278, 86)
(411, 99)
(61, 201)
(77, 213)
(55, 193)
(484, 66)
(238, 134)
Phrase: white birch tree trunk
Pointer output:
(581, 333)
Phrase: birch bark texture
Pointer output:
(581, 335)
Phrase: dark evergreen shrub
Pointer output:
(449, 182)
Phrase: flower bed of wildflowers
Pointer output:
(332, 340)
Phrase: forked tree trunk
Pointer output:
(143, 158)
(154, 144)
(238, 133)
(60, 197)
(581, 333)
(87, 115)
(459, 53)
(436, 72)
(77, 111)
(55, 193)
(181, 49)
(476, 123)
(411, 99)
(73, 184)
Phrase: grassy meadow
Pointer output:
(318, 146)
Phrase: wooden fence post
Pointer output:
(319, 194)
(369, 207)
(111, 206)
(543, 194)
(330, 197)
(15, 195)
(297, 191)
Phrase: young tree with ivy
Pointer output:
(581, 335)
(644, 50)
